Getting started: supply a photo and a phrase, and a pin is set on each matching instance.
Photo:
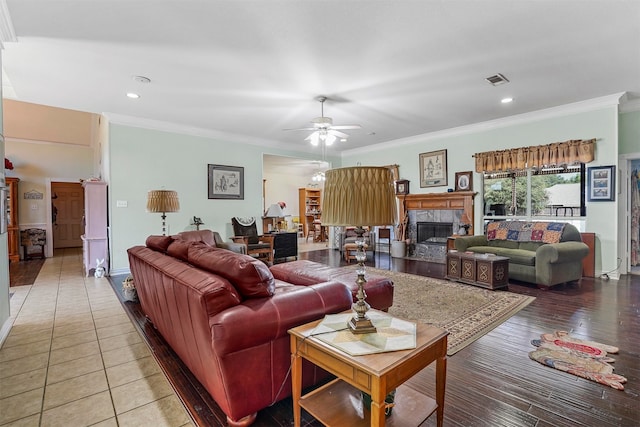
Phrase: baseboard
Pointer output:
(6, 328)
(119, 271)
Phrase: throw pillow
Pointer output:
(251, 277)
(180, 249)
(159, 243)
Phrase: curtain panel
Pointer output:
(535, 157)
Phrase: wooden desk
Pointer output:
(339, 403)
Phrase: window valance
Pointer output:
(534, 157)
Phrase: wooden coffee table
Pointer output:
(487, 271)
(339, 402)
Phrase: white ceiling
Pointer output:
(245, 70)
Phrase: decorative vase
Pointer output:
(398, 248)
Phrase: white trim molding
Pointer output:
(7, 32)
(559, 111)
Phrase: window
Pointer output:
(536, 193)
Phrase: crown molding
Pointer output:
(7, 33)
(163, 126)
(534, 116)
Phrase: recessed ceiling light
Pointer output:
(133, 95)
(506, 100)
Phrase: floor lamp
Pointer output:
(163, 201)
(359, 196)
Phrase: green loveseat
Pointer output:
(544, 253)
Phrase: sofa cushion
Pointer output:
(250, 276)
(530, 246)
(180, 249)
(516, 256)
(159, 243)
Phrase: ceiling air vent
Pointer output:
(497, 79)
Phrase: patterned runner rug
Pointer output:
(466, 311)
(586, 359)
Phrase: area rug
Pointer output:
(585, 359)
(466, 312)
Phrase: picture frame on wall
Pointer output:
(601, 183)
(464, 181)
(402, 186)
(433, 169)
(225, 182)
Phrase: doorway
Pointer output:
(67, 208)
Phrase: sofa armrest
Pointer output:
(269, 319)
(558, 253)
(239, 248)
(462, 243)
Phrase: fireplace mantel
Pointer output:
(454, 200)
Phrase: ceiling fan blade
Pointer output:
(346, 127)
(337, 133)
(302, 129)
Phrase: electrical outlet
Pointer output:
(121, 203)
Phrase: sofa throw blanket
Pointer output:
(525, 231)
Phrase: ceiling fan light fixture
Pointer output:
(314, 138)
(329, 139)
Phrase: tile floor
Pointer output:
(73, 357)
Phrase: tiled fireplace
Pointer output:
(432, 218)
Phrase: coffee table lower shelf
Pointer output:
(339, 404)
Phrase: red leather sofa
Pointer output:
(226, 316)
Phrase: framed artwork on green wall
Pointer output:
(225, 182)
(433, 169)
(601, 183)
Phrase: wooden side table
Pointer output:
(451, 241)
(339, 402)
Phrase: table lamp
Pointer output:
(359, 196)
(274, 212)
(163, 201)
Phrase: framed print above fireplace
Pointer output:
(433, 169)
(464, 181)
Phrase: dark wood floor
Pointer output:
(492, 382)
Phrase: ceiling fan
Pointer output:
(323, 128)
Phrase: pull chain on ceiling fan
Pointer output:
(323, 129)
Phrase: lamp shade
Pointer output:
(163, 201)
(361, 195)
(274, 211)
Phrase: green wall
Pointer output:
(630, 132)
(462, 143)
(142, 159)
